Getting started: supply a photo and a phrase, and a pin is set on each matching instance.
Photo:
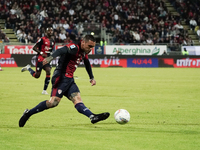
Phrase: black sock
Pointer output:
(31, 72)
(46, 82)
(40, 107)
(83, 109)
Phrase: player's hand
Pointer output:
(47, 60)
(44, 55)
(44, 62)
(93, 82)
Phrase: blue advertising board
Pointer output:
(142, 62)
(99, 50)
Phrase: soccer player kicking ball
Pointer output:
(63, 82)
(43, 47)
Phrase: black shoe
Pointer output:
(99, 117)
(24, 118)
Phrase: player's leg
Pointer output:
(79, 105)
(74, 95)
(35, 74)
(53, 102)
(47, 68)
(38, 69)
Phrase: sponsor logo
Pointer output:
(155, 51)
(133, 51)
(99, 50)
(7, 61)
(107, 61)
(19, 49)
(23, 49)
(72, 46)
(193, 62)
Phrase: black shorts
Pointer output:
(39, 66)
(62, 85)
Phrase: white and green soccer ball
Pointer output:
(122, 116)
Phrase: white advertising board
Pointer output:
(193, 50)
(135, 49)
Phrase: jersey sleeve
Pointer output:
(73, 49)
(65, 50)
(88, 67)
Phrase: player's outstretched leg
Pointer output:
(93, 117)
(28, 113)
(25, 68)
(24, 118)
(99, 117)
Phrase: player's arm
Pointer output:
(61, 51)
(37, 46)
(89, 71)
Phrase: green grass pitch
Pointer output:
(164, 104)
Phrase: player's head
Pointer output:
(49, 31)
(88, 43)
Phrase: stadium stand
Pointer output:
(114, 21)
(189, 12)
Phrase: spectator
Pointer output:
(198, 34)
(161, 41)
(23, 37)
(66, 25)
(167, 40)
(54, 25)
(193, 24)
(2, 34)
(56, 37)
(136, 35)
(62, 37)
(190, 42)
(162, 33)
(71, 11)
(80, 28)
(149, 41)
(185, 52)
(178, 26)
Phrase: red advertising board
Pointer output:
(180, 62)
(187, 63)
(110, 61)
(6, 60)
(19, 49)
(26, 49)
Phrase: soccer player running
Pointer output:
(63, 82)
(43, 47)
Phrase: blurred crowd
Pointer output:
(3, 37)
(126, 21)
(189, 12)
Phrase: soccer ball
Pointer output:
(122, 116)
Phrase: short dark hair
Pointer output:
(89, 37)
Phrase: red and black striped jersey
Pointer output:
(70, 57)
(46, 46)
